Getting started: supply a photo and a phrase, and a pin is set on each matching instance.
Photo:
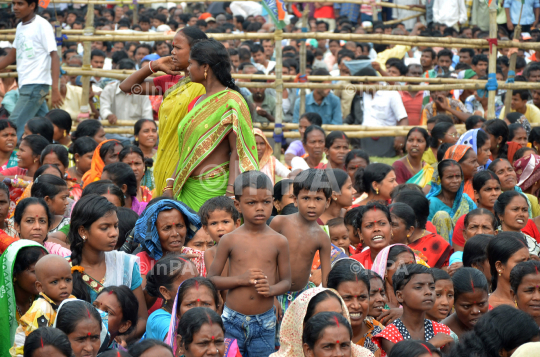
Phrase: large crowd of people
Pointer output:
(197, 240)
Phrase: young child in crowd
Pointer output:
(259, 268)
(339, 235)
(312, 193)
(354, 237)
(413, 286)
(55, 284)
(471, 291)
(444, 296)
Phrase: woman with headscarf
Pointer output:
(105, 153)
(447, 199)
(17, 286)
(165, 227)
(267, 162)
(480, 143)
(528, 174)
(301, 309)
(468, 160)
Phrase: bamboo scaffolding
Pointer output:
(147, 2)
(492, 56)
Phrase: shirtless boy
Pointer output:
(312, 193)
(259, 268)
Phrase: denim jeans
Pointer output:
(31, 104)
(255, 334)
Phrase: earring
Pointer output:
(497, 144)
(84, 238)
(65, 132)
(500, 274)
(205, 73)
(335, 198)
(376, 191)
(408, 235)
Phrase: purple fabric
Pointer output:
(138, 207)
(296, 148)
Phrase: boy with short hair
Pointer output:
(312, 191)
(259, 268)
(55, 284)
(520, 98)
(38, 64)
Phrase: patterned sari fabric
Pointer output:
(172, 111)
(375, 327)
(12, 161)
(266, 161)
(527, 171)
(470, 139)
(200, 133)
(8, 310)
(423, 177)
(292, 326)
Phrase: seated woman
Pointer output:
(20, 286)
(43, 339)
(267, 162)
(105, 153)
(504, 252)
(33, 221)
(375, 236)
(377, 180)
(17, 178)
(82, 151)
(501, 147)
(134, 157)
(503, 330)
(296, 148)
(8, 144)
(84, 326)
(95, 264)
(122, 176)
(55, 192)
(163, 229)
(314, 139)
(487, 188)
(429, 246)
(448, 201)
(327, 331)
(480, 143)
(336, 147)
(353, 286)
(107, 189)
(412, 168)
(517, 134)
(508, 178)
(146, 139)
(90, 128)
(474, 255)
(310, 303)
(62, 123)
(525, 283)
(512, 210)
(468, 160)
(441, 133)
(193, 294)
(39, 126)
(202, 325)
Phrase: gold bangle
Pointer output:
(227, 191)
(167, 188)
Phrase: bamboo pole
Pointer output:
(303, 62)
(89, 28)
(397, 21)
(512, 66)
(279, 94)
(492, 56)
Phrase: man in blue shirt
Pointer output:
(322, 102)
(529, 15)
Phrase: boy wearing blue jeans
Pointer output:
(259, 268)
(35, 52)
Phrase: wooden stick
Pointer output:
(85, 107)
(303, 62)
(492, 56)
(279, 93)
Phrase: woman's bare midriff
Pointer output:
(220, 155)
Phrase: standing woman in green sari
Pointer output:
(216, 139)
(177, 92)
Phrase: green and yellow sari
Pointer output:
(173, 109)
(199, 133)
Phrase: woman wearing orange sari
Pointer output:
(105, 153)
(467, 159)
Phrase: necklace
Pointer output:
(407, 157)
(30, 300)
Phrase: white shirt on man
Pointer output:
(385, 108)
(34, 43)
(126, 107)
